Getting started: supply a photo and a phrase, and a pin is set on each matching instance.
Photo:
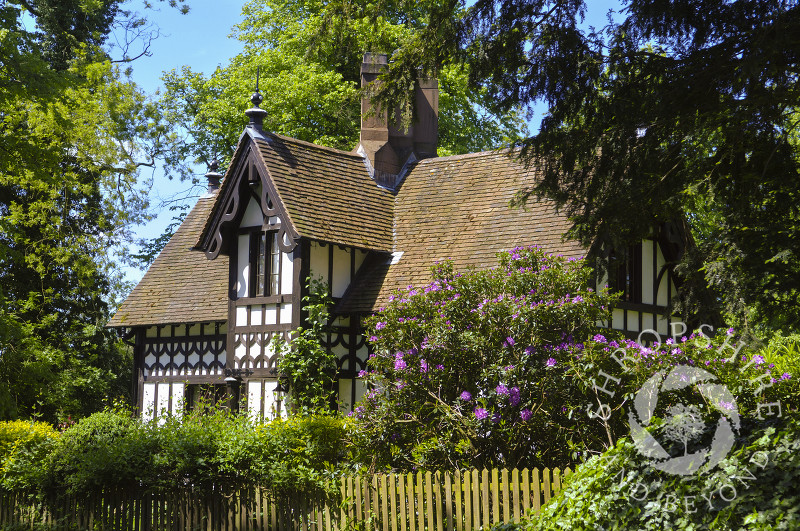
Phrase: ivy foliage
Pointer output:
(754, 487)
(308, 367)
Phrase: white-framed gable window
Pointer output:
(265, 264)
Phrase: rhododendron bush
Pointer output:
(508, 368)
(474, 368)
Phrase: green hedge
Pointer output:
(113, 448)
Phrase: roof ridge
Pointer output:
(498, 151)
(315, 146)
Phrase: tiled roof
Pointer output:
(328, 193)
(450, 208)
(181, 286)
(457, 208)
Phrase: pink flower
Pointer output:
(380, 326)
(481, 413)
(551, 362)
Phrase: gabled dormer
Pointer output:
(287, 211)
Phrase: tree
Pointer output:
(310, 79)
(75, 133)
(682, 109)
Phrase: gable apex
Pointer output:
(247, 178)
(319, 193)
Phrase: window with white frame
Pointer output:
(265, 261)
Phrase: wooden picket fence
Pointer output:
(458, 501)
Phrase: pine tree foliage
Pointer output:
(676, 109)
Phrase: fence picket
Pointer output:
(515, 495)
(448, 495)
(506, 497)
(556, 481)
(458, 485)
(437, 491)
(526, 490)
(429, 499)
(467, 501)
(412, 503)
(391, 478)
(476, 499)
(487, 516)
(546, 488)
(384, 503)
(495, 494)
(420, 503)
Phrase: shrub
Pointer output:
(623, 367)
(116, 449)
(109, 448)
(620, 490)
(301, 454)
(473, 369)
(22, 442)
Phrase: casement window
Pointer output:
(625, 274)
(265, 262)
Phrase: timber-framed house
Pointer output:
(367, 223)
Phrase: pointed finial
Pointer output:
(255, 113)
(256, 98)
(213, 177)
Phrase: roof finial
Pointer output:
(213, 177)
(255, 113)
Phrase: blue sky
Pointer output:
(201, 40)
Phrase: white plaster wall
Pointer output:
(287, 273)
(253, 217)
(162, 400)
(243, 266)
(341, 271)
(149, 401)
(254, 399)
(178, 396)
(345, 393)
(318, 261)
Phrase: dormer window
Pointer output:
(265, 261)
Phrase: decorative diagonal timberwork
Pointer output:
(175, 351)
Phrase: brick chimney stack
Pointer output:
(389, 149)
